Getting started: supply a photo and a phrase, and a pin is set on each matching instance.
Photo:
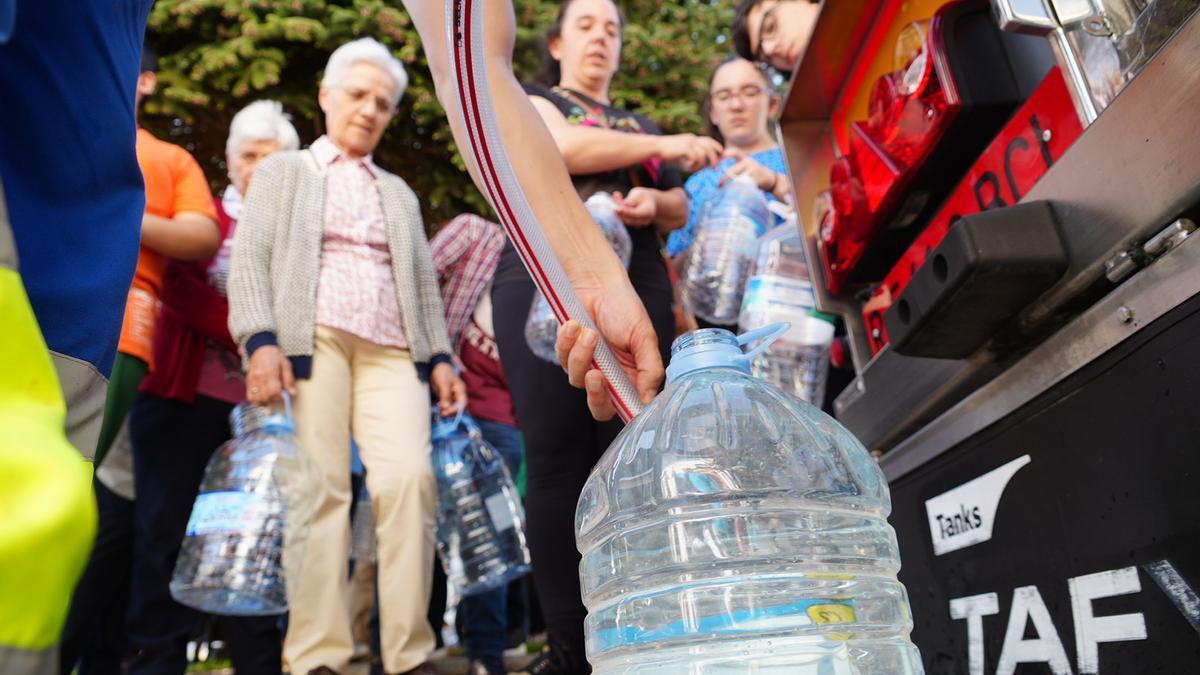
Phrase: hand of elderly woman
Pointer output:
(268, 374)
(449, 388)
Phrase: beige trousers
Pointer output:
(371, 392)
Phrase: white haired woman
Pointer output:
(182, 415)
(334, 298)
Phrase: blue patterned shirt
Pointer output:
(703, 185)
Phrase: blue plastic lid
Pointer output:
(718, 348)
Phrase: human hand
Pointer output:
(269, 373)
(692, 152)
(766, 179)
(621, 318)
(639, 208)
(449, 389)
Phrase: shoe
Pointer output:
(482, 667)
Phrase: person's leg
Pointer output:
(172, 443)
(319, 619)
(560, 437)
(94, 636)
(391, 426)
(255, 643)
(485, 614)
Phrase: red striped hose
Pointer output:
(464, 26)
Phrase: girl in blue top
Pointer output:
(740, 104)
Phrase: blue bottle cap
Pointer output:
(718, 348)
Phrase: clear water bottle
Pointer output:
(731, 528)
(718, 262)
(541, 328)
(779, 291)
(232, 557)
(480, 521)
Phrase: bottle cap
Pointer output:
(718, 348)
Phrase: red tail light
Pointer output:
(909, 112)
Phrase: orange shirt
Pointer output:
(174, 183)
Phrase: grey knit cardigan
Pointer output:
(276, 261)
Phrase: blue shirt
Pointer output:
(702, 186)
(69, 166)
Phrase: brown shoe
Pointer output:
(426, 668)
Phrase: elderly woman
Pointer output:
(182, 415)
(334, 298)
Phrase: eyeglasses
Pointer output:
(747, 93)
(768, 26)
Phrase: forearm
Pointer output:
(188, 236)
(672, 211)
(594, 150)
(535, 157)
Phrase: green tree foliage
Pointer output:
(216, 56)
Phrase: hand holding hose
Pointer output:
(621, 318)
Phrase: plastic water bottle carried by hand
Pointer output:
(480, 522)
(732, 528)
(255, 497)
(718, 262)
(780, 291)
(541, 328)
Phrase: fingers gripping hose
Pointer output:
(464, 25)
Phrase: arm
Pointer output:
(665, 209)
(251, 294)
(208, 311)
(595, 149)
(187, 236)
(596, 273)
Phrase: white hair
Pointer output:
(365, 50)
(262, 121)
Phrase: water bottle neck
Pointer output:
(711, 348)
(247, 417)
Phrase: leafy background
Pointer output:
(215, 56)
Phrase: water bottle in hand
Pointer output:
(480, 522)
(253, 499)
(732, 528)
(718, 262)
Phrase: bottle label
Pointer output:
(226, 512)
(500, 512)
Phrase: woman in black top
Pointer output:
(606, 149)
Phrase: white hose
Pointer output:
(464, 35)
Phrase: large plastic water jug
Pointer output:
(718, 262)
(541, 328)
(255, 487)
(779, 291)
(732, 528)
(480, 521)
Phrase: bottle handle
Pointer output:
(462, 410)
(763, 337)
(287, 405)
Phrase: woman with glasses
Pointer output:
(740, 106)
(774, 32)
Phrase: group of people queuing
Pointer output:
(310, 275)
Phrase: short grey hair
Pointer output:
(262, 121)
(365, 50)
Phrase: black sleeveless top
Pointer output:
(646, 268)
